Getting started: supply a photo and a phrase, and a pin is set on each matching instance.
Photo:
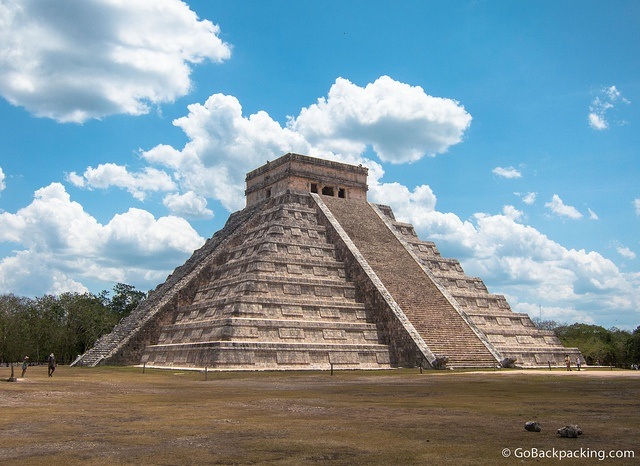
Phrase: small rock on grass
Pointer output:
(569, 431)
(532, 426)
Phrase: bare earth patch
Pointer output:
(111, 415)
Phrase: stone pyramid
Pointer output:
(311, 276)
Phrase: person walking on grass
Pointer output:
(25, 364)
(567, 361)
(52, 364)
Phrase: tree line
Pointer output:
(598, 345)
(69, 324)
(66, 325)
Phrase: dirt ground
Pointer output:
(111, 415)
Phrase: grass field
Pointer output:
(110, 415)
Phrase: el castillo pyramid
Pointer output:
(309, 275)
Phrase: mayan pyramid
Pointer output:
(309, 275)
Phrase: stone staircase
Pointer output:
(441, 326)
(105, 345)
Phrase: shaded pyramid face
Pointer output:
(277, 297)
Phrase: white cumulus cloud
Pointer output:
(511, 212)
(2, 183)
(63, 246)
(401, 122)
(508, 172)
(409, 204)
(558, 207)
(72, 61)
(636, 204)
(188, 205)
(35, 274)
(110, 174)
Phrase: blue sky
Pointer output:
(506, 132)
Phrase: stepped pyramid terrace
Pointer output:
(309, 275)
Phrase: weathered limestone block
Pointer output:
(320, 271)
(294, 269)
(330, 313)
(291, 289)
(329, 334)
(293, 333)
(322, 291)
(292, 357)
(291, 311)
(343, 358)
(294, 250)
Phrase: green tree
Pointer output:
(86, 319)
(66, 325)
(632, 347)
(125, 299)
(596, 343)
(14, 328)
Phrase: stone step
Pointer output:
(250, 355)
(269, 330)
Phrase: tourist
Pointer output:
(578, 363)
(567, 361)
(25, 364)
(52, 364)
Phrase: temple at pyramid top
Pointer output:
(307, 174)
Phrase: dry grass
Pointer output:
(121, 416)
